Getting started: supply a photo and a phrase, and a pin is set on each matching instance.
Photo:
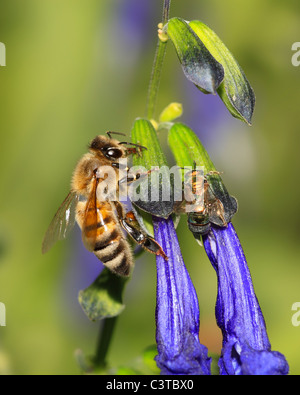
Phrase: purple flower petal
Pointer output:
(246, 346)
(177, 310)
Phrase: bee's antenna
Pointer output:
(109, 133)
(135, 145)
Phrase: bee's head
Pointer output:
(109, 148)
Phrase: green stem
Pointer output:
(105, 337)
(166, 11)
(157, 66)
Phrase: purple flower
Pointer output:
(246, 347)
(177, 310)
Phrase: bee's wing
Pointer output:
(62, 222)
(216, 214)
(229, 202)
(92, 216)
(216, 208)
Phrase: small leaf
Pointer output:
(197, 62)
(187, 149)
(235, 91)
(103, 299)
(156, 191)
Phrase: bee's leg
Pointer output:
(213, 173)
(120, 166)
(180, 207)
(133, 228)
(131, 225)
(137, 149)
(134, 151)
(129, 178)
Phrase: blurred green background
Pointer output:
(77, 68)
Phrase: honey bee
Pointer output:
(205, 208)
(101, 220)
(210, 211)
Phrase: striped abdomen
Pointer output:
(102, 234)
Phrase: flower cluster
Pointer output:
(246, 347)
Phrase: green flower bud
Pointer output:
(235, 90)
(171, 112)
(199, 66)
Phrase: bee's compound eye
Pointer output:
(113, 153)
